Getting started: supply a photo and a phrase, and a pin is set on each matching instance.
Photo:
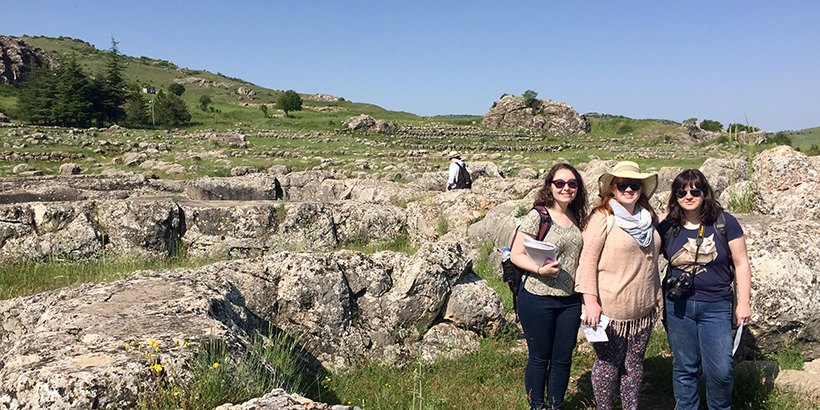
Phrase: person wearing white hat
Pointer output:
(453, 175)
(618, 277)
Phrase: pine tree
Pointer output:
(114, 90)
(37, 96)
(136, 110)
(72, 106)
(170, 110)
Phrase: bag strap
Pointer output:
(720, 229)
(546, 222)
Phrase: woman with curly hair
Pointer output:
(548, 307)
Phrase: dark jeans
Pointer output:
(550, 326)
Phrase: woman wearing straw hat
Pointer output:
(618, 277)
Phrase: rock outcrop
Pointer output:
(549, 116)
(366, 123)
(18, 58)
(65, 349)
(787, 183)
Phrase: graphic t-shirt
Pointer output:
(710, 267)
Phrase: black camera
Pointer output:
(677, 287)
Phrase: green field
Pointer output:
(805, 138)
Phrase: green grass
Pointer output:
(401, 243)
(219, 377)
(25, 279)
(493, 378)
(805, 138)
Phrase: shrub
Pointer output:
(529, 98)
(735, 128)
(780, 139)
(176, 89)
(812, 151)
(709, 125)
(441, 226)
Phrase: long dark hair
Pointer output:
(578, 206)
(693, 178)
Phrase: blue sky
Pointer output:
(719, 60)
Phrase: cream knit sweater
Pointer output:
(622, 274)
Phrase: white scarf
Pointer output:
(638, 225)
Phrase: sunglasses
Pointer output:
(559, 183)
(694, 191)
(623, 185)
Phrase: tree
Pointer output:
(709, 125)
(136, 110)
(691, 121)
(176, 89)
(204, 102)
(72, 105)
(289, 101)
(114, 92)
(529, 98)
(264, 109)
(170, 110)
(36, 95)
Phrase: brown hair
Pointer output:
(578, 206)
(710, 208)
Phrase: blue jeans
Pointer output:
(550, 326)
(700, 335)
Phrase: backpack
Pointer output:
(463, 181)
(666, 230)
(514, 275)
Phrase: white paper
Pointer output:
(596, 333)
(539, 252)
(737, 338)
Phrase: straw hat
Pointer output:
(454, 154)
(628, 170)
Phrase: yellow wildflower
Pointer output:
(216, 365)
(157, 367)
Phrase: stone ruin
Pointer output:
(282, 233)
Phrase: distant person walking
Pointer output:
(458, 177)
(699, 290)
(618, 275)
(549, 308)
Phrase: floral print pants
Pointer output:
(620, 360)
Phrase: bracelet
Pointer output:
(538, 270)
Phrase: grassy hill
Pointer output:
(805, 138)
(231, 111)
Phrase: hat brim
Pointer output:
(649, 182)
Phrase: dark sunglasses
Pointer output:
(634, 185)
(694, 191)
(559, 183)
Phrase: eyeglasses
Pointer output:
(623, 185)
(559, 183)
(694, 191)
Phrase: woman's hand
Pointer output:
(592, 310)
(550, 269)
(743, 313)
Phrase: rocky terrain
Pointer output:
(282, 231)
